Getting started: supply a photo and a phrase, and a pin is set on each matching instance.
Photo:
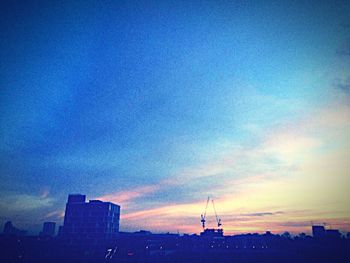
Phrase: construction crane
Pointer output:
(218, 220)
(204, 214)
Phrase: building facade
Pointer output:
(318, 231)
(11, 230)
(93, 221)
(48, 229)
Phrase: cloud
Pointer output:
(262, 214)
(21, 202)
(57, 214)
(45, 193)
(301, 164)
(296, 224)
(26, 210)
(124, 197)
(298, 165)
(343, 85)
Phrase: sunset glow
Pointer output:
(156, 107)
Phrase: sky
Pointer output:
(156, 105)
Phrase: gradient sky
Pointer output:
(155, 105)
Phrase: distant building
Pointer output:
(318, 231)
(59, 232)
(10, 230)
(211, 232)
(333, 233)
(48, 229)
(94, 220)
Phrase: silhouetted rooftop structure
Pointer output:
(11, 230)
(94, 220)
(48, 229)
(76, 198)
(318, 231)
(333, 233)
(90, 234)
(212, 232)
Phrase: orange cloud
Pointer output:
(301, 166)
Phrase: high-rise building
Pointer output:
(94, 220)
(48, 229)
(318, 231)
(11, 230)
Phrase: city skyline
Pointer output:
(90, 233)
(84, 219)
(155, 106)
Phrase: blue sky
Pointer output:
(157, 104)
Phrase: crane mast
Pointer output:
(218, 220)
(203, 216)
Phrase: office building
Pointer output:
(94, 220)
(11, 230)
(318, 231)
(48, 229)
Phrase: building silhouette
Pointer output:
(333, 233)
(91, 221)
(11, 230)
(48, 229)
(212, 232)
(90, 234)
(318, 231)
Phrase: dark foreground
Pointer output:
(145, 247)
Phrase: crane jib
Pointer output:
(203, 216)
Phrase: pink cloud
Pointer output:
(45, 193)
(255, 181)
(55, 214)
(124, 197)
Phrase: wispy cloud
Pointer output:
(262, 214)
(124, 197)
(20, 202)
(343, 85)
(57, 214)
(45, 192)
(280, 172)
